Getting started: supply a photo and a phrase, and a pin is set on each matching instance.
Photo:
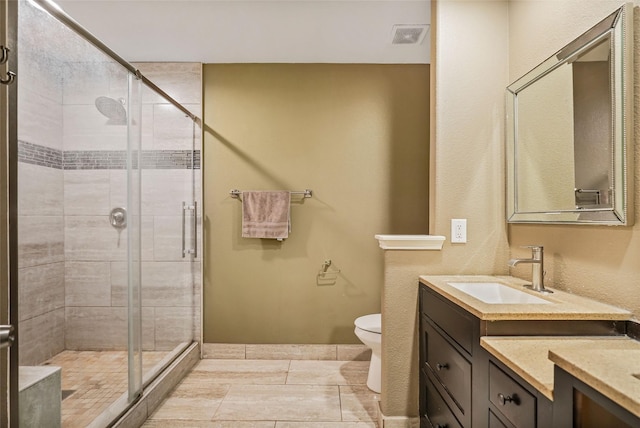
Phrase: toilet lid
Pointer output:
(371, 323)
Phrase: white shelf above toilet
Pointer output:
(410, 242)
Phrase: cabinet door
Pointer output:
(450, 368)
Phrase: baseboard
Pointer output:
(285, 352)
(397, 421)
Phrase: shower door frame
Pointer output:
(9, 409)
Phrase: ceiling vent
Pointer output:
(409, 34)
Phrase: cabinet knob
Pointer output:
(440, 366)
(506, 399)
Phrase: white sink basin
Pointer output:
(496, 293)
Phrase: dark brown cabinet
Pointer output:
(578, 405)
(463, 386)
(451, 364)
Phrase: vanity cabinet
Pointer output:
(579, 405)
(460, 384)
(449, 352)
(463, 385)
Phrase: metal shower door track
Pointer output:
(54, 10)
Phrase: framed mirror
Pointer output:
(569, 131)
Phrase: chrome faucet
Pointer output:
(537, 268)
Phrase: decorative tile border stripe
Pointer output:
(169, 159)
(95, 159)
(104, 159)
(39, 155)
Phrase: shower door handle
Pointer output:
(4, 57)
(6, 336)
(193, 208)
(195, 229)
(184, 219)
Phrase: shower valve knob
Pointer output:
(118, 218)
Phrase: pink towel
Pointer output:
(265, 214)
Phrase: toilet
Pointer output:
(369, 331)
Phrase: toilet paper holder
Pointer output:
(328, 273)
(324, 269)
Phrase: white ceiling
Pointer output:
(231, 31)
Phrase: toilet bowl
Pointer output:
(369, 331)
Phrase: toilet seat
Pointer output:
(371, 323)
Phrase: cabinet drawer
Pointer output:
(512, 400)
(450, 318)
(438, 414)
(450, 368)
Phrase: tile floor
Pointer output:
(221, 393)
(92, 380)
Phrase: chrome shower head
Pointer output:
(112, 109)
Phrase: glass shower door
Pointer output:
(105, 260)
(169, 298)
(79, 120)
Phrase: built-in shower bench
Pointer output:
(40, 396)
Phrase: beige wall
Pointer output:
(357, 135)
(469, 76)
(597, 262)
(468, 140)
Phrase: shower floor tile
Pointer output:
(97, 379)
(270, 394)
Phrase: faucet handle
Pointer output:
(536, 250)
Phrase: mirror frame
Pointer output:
(619, 27)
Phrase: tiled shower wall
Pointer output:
(72, 261)
(40, 207)
(95, 252)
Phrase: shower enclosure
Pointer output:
(105, 267)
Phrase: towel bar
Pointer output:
(307, 193)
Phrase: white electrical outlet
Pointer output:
(459, 230)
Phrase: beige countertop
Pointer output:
(563, 306)
(609, 371)
(528, 356)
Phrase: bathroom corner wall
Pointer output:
(469, 67)
(598, 262)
